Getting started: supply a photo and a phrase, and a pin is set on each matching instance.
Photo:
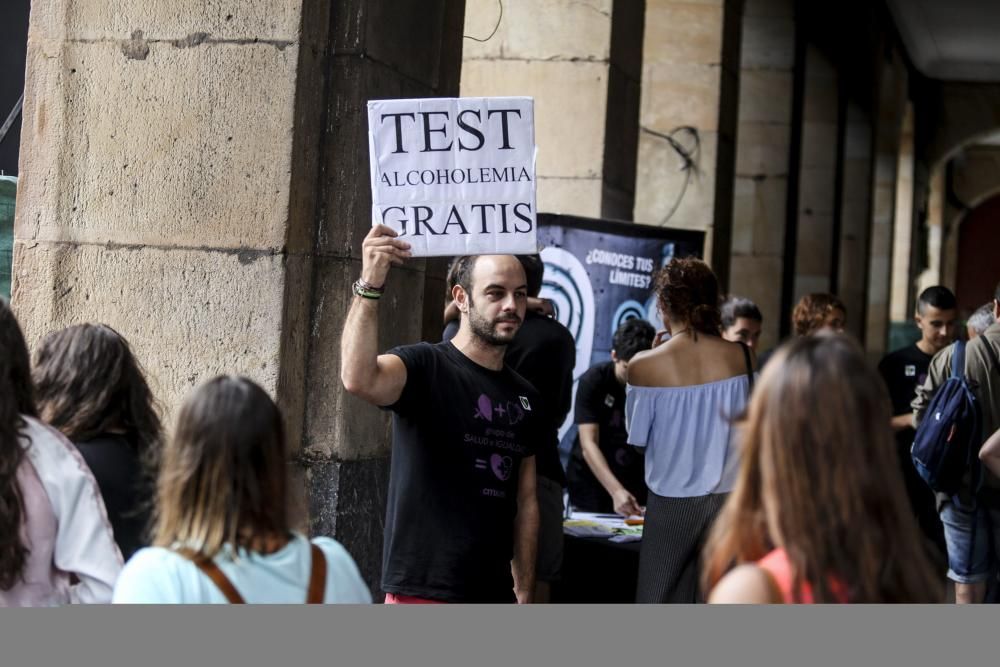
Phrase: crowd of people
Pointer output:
(783, 478)
(88, 481)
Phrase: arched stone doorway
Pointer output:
(978, 271)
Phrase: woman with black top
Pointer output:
(90, 387)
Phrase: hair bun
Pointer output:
(706, 318)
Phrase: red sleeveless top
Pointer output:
(776, 565)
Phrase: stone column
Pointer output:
(690, 89)
(581, 63)
(817, 177)
(890, 101)
(855, 209)
(347, 441)
(901, 297)
(767, 62)
(196, 175)
(935, 224)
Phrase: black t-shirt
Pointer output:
(600, 399)
(126, 493)
(460, 432)
(543, 352)
(902, 371)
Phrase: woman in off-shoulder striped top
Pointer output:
(681, 401)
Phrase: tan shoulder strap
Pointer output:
(212, 571)
(317, 577)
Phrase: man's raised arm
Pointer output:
(378, 379)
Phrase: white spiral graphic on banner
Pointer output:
(567, 285)
(628, 310)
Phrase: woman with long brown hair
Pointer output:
(90, 387)
(224, 527)
(680, 399)
(56, 545)
(819, 512)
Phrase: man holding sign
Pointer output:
(462, 516)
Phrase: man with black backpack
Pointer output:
(968, 499)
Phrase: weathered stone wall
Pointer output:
(762, 156)
(855, 209)
(156, 192)
(580, 61)
(891, 105)
(690, 79)
(935, 229)
(817, 176)
(347, 441)
(196, 175)
(901, 298)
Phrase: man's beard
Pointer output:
(486, 330)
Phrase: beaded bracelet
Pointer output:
(362, 289)
(371, 288)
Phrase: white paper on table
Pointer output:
(610, 526)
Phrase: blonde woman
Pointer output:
(223, 532)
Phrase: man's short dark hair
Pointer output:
(534, 269)
(736, 307)
(633, 336)
(461, 271)
(938, 296)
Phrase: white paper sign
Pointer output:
(455, 176)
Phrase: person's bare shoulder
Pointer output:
(642, 367)
(737, 355)
(744, 584)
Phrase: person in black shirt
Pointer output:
(605, 473)
(462, 516)
(544, 353)
(902, 371)
(90, 387)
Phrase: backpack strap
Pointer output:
(749, 362)
(317, 577)
(212, 571)
(958, 360)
